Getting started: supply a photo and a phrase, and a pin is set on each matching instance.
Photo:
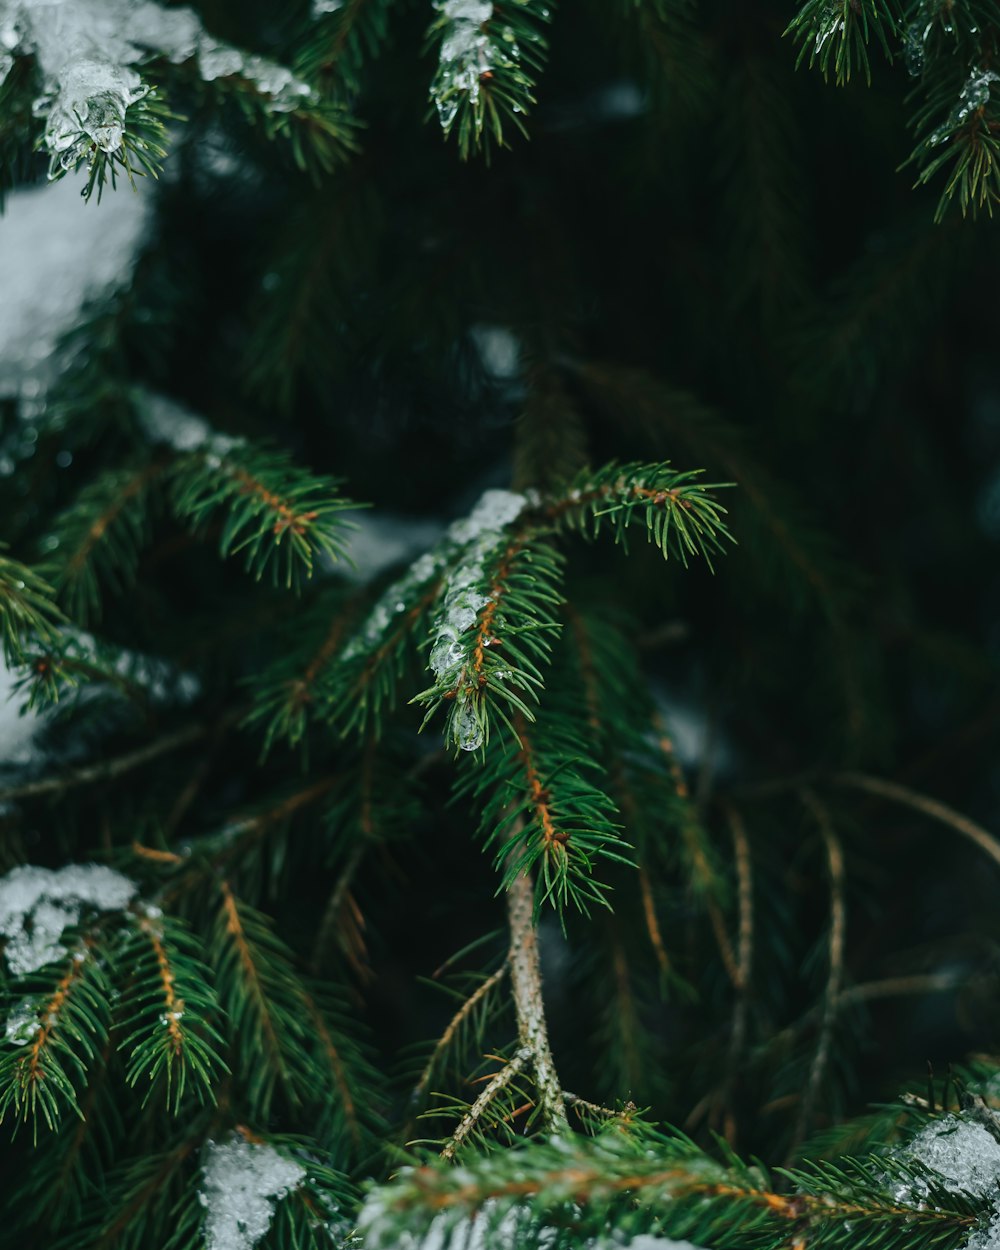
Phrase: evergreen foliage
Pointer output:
(290, 832)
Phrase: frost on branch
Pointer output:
(90, 52)
(244, 1181)
(37, 905)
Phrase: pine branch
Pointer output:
(834, 34)
(540, 811)
(168, 1008)
(679, 515)
(287, 691)
(95, 543)
(28, 612)
(336, 45)
(470, 1017)
(835, 975)
(489, 665)
(105, 770)
(529, 1004)
(491, 1091)
(140, 152)
(263, 1000)
(281, 516)
(364, 681)
(489, 59)
(932, 808)
(64, 1026)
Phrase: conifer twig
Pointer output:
(106, 770)
(455, 1023)
(835, 975)
(927, 806)
(526, 982)
(496, 1086)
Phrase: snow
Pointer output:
(466, 54)
(499, 350)
(966, 1156)
(87, 51)
(23, 1022)
(961, 1151)
(54, 256)
(163, 420)
(398, 598)
(380, 1231)
(381, 540)
(243, 1183)
(481, 533)
(37, 905)
(19, 728)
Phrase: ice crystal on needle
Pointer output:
(88, 52)
(466, 54)
(22, 1023)
(37, 905)
(243, 1183)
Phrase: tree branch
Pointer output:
(526, 982)
(498, 1083)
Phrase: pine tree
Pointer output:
(499, 504)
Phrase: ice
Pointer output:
(243, 1183)
(963, 1153)
(466, 54)
(23, 1022)
(976, 92)
(396, 599)
(54, 258)
(975, 95)
(467, 727)
(88, 51)
(322, 7)
(37, 905)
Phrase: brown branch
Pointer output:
(108, 770)
(481, 992)
(336, 1067)
(926, 806)
(107, 518)
(49, 1020)
(496, 1086)
(835, 975)
(529, 1004)
(173, 1006)
(234, 927)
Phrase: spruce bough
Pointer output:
(360, 884)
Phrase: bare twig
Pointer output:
(496, 1086)
(744, 967)
(478, 995)
(106, 770)
(927, 806)
(835, 975)
(526, 983)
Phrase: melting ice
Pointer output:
(88, 51)
(244, 1181)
